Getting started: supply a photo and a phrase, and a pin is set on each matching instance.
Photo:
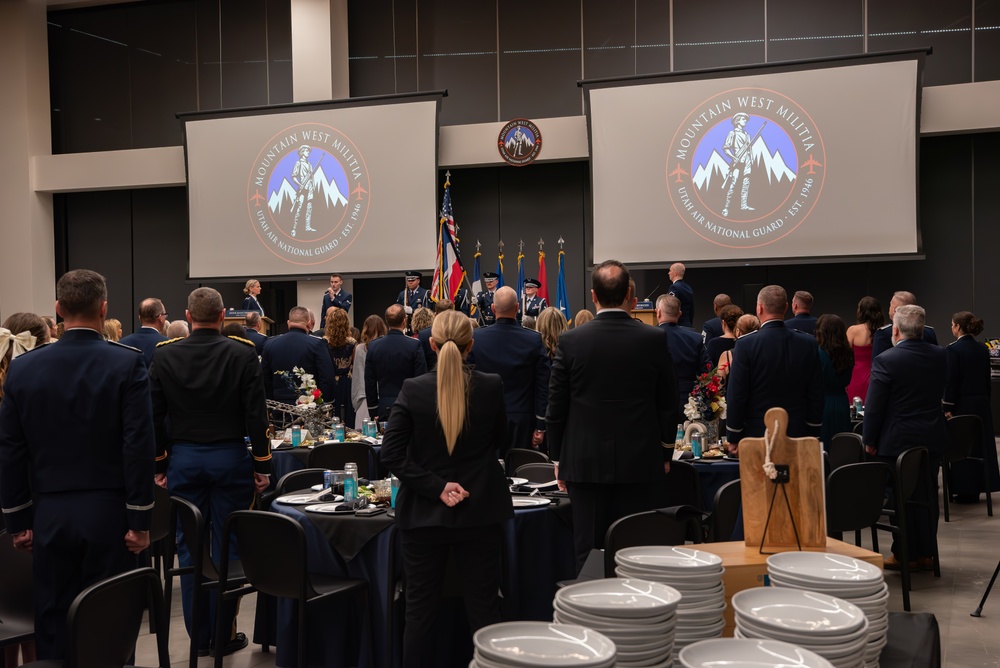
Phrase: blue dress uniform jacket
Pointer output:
(484, 301)
(803, 322)
(774, 366)
(518, 356)
(903, 406)
(882, 339)
(415, 298)
(76, 467)
(296, 348)
(685, 294)
(967, 392)
(534, 306)
(391, 359)
(145, 339)
(342, 299)
(258, 339)
(690, 360)
(424, 337)
(251, 304)
(712, 329)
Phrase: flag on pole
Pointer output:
(543, 291)
(448, 270)
(520, 276)
(562, 297)
(500, 269)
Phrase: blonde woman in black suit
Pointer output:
(441, 442)
(251, 290)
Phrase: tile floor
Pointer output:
(968, 546)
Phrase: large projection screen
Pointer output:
(295, 191)
(786, 163)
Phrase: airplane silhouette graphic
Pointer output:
(678, 172)
(257, 198)
(810, 163)
(358, 191)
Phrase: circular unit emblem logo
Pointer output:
(308, 193)
(519, 142)
(746, 168)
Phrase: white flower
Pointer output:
(305, 400)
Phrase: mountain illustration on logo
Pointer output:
(324, 190)
(761, 157)
(524, 142)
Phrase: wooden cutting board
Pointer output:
(806, 488)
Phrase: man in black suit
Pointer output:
(882, 340)
(612, 413)
(774, 366)
(518, 356)
(424, 335)
(683, 292)
(712, 329)
(335, 296)
(252, 324)
(76, 457)
(801, 319)
(153, 316)
(903, 410)
(296, 348)
(686, 348)
(391, 359)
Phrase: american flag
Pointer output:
(448, 270)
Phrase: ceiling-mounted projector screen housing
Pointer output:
(295, 190)
(779, 163)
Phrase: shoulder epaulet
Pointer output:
(123, 345)
(242, 340)
(753, 332)
(163, 343)
(952, 343)
(884, 326)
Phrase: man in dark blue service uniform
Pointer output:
(683, 292)
(712, 329)
(774, 366)
(208, 396)
(882, 340)
(153, 317)
(76, 457)
(335, 295)
(296, 348)
(532, 304)
(413, 296)
(252, 324)
(484, 300)
(391, 359)
(686, 349)
(518, 356)
(802, 319)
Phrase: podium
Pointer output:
(647, 316)
(239, 317)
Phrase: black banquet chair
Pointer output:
(334, 455)
(725, 512)
(17, 607)
(855, 497)
(845, 448)
(965, 433)
(652, 527)
(104, 621)
(537, 472)
(273, 559)
(518, 457)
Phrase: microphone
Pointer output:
(651, 293)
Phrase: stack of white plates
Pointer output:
(844, 577)
(747, 653)
(696, 574)
(638, 615)
(526, 644)
(831, 627)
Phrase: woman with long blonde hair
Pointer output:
(442, 441)
(341, 345)
(551, 323)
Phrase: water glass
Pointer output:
(395, 489)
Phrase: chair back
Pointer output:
(160, 526)
(683, 486)
(537, 472)
(858, 428)
(296, 480)
(335, 455)
(855, 496)
(17, 592)
(965, 432)
(104, 620)
(518, 457)
(846, 448)
(272, 551)
(725, 512)
(191, 522)
(651, 527)
(911, 466)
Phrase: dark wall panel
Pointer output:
(209, 55)
(986, 239)
(717, 34)
(829, 28)
(244, 53)
(160, 250)
(945, 26)
(608, 40)
(371, 48)
(987, 40)
(652, 36)
(279, 51)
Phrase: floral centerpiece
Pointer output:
(706, 401)
(304, 385)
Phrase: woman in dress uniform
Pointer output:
(441, 442)
(251, 290)
(968, 393)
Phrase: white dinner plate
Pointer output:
(822, 567)
(302, 499)
(736, 653)
(615, 597)
(329, 509)
(530, 501)
(518, 481)
(794, 611)
(665, 557)
(544, 644)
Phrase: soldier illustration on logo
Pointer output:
(302, 177)
(737, 147)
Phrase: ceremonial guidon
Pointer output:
(531, 303)
(484, 300)
(413, 296)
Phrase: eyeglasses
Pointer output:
(164, 314)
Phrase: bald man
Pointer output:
(683, 292)
(882, 340)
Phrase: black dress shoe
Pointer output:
(234, 645)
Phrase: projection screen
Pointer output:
(285, 192)
(790, 162)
